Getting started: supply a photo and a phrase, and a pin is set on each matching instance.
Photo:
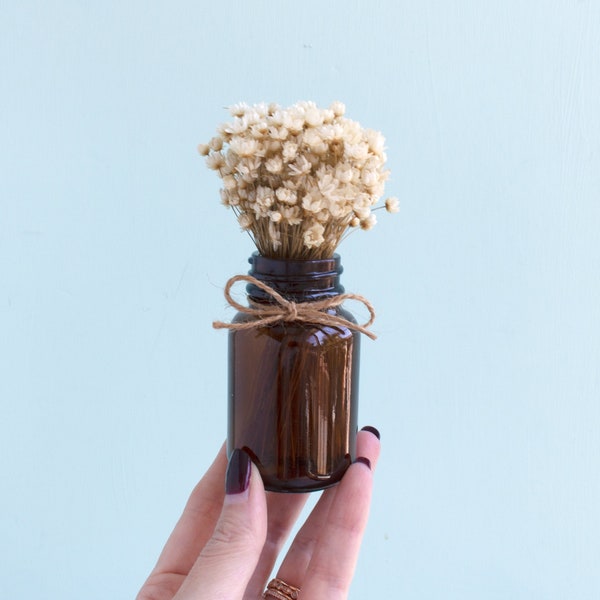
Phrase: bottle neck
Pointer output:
(295, 280)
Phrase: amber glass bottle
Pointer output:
(293, 386)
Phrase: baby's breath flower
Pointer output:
(343, 173)
(259, 129)
(260, 210)
(203, 149)
(274, 165)
(238, 110)
(253, 116)
(323, 216)
(291, 215)
(273, 145)
(280, 133)
(286, 195)
(289, 152)
(234, 198)
(376, 190)
(327, 185)
(216, 143)
(301, 166)
(237, 126)
(312, 202)
(243, 147)
(338, 210)
(368, 222)
(296, 124)
(358, 152)
(362, 200)
(229, 182)
(215, 161)
(375, 140)
(313, 117)
(263, 109)
(362, 212)
(232, 159)
(328, 115)
(392, 205)
(278, 118)
(249, 166)
(313, 236)
(265, 196)
(312, 138)
(224, 198)
(338, 108)
(370, 178)
(245, 220)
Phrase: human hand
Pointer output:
(226, 542)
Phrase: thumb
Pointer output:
(228, 560)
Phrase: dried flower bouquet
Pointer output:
(298, 178)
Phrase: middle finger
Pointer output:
(282, 512)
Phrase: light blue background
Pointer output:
(485, 379)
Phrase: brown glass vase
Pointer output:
(293, 386)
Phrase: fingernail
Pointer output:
(239, 468)
(364, 460)
(374, 431)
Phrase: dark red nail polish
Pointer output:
(372, 430)
(364, 460)
(239, 468)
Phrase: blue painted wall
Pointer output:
(485, 379)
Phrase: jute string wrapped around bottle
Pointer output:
(287, 310)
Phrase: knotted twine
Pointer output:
(288, 311)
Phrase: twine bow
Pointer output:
(288, 311)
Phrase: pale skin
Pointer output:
(224, 546)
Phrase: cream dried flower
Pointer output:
(368, 222)
(286, 195)
(215, 161)
(216, 143)
(298, 178)
(392, 205)
(289, 151)
(274, 165)
(238, 110)
(313, 236)
(338, 108)
(245, 220)
(244, 147)
(203, 149)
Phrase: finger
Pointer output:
(197, 522)
(227, 561)
(331, 567)
(297, 559)
(368, 445)
(283, 511)
(294, 566)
